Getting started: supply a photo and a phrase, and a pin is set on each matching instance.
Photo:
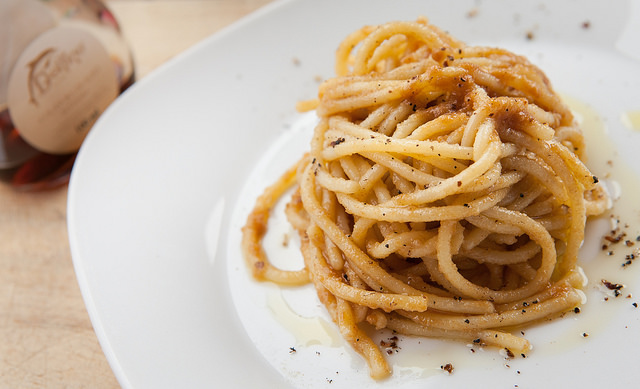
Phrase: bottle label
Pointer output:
(58, 88)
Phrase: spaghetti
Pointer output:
(443, 194)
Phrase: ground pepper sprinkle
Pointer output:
(448, 368)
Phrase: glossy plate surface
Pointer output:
(168, 174)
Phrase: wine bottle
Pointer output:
(63, 64)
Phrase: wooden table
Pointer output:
(46, 337)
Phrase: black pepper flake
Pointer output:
(337, 142)
(595, 179)
(585, 335)
(509, 353)
(576, 310)
(476, 340)
(635, 305)
(614, 238)
(466, 321)
(612, 286)
(390, 344)
(292, 350)
(447, 367)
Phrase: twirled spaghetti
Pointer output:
(443, 194)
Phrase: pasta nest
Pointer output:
(443, 195)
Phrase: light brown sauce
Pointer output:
(631, 119)
(308, 331)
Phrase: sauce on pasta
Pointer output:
(443, 194)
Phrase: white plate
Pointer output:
(165, 179)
